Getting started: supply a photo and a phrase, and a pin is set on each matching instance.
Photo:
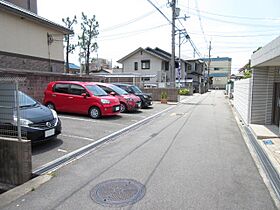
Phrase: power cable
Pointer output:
(129, 22)
(200, 22)
(236, 17)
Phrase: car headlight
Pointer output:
(105, 101)
(54, 114)
(22, 122)
(129, 99)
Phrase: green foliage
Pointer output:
(163, 95)
(69, 47)
(86, 40)
(184, 91)
(247, 74)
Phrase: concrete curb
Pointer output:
(17, 192)
(255, 156)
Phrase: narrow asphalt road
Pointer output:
(192, 157)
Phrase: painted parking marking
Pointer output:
(75, 118)
(78, 137)
(62, 150)
(89, 120)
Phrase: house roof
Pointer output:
(147, 50)
(218, 75)
(26, 14)
(73, 66)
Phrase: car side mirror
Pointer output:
(113, 93)
(85, 95)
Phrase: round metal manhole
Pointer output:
(118, 192)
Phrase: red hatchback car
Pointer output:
(128, 102)
(81, 98)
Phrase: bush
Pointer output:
(184, 91)
(163, 95)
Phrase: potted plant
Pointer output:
(163, 97)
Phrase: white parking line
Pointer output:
(74, 118)
(78, 137)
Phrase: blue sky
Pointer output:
(235, 27)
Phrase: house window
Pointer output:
(145, 64)
(135, 66)
(165, 66)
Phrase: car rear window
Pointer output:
(61, 88)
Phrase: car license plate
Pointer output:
(49, 133)
(117, 108)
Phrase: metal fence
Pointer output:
(10, 109)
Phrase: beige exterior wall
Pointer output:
(155, 65)
(223, 67)
(21, 36)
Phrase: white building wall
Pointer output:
(241, 100)
(21, 36)
(155, 65)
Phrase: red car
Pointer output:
(81, 98)
(128, 102)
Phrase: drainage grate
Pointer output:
(118, 192)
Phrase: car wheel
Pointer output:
(94, 112)
(50, 106)
(123, 107)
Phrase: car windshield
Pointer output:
(135, 89)
(25, 100)
(118, 90)
(95, 90)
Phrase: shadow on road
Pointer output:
(46, 146)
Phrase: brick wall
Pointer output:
(34, 83)
(13, 61)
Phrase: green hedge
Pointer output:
(184, 91)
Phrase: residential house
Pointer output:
(265, 85)
(30, 5)
(219, 71)
(153, 65)
(99, 63)
(74, 69)
(197, 73)
(28, 41)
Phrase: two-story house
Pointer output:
(28, 41)
(197, 72)
(154, 62)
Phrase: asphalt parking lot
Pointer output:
(79, 131)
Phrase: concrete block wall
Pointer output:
(15, 161)
(172, 93)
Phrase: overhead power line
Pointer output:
(236, 17)
(130, 21)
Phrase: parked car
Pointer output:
(80, 98)
(146, 98)
(37, 122)
(128, 102)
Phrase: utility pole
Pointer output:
(209, 62)
(172, 69)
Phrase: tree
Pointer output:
(69, 47)
(86, 40)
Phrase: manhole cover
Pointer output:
(118, 192)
